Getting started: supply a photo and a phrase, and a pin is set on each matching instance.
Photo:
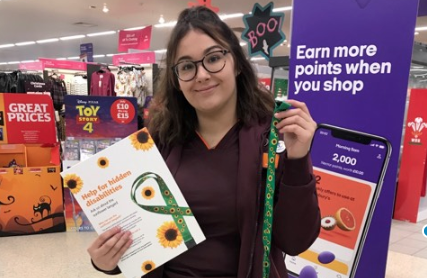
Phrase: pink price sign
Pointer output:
(59, 64)
(31, 66)
(136, 39)
(135, 58)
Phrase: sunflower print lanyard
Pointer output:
(171, 207)
(270, 187)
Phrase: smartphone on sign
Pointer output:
(349, 167)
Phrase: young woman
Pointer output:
(211, 120)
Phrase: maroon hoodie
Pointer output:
(296, 213)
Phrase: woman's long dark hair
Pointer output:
(172, 118)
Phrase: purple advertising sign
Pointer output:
(346, 65)
(86, 52)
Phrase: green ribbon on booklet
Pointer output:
(270, 188)
(171, 207)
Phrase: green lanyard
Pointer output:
(267, 227)
(171, 207)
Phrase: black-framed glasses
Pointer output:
(212, 62)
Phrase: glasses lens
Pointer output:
(186, 70)
(214, 62)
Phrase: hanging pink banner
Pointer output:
(31, 66)
(60, 64)
(136, 39)
(134, 58)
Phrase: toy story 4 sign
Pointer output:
(263, 30)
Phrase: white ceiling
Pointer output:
(31, 20)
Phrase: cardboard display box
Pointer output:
(31, 193)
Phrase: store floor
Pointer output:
(63, 255)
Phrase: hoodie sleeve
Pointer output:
(296, 222)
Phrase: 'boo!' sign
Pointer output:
(263, 30)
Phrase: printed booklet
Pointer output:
(129, 185)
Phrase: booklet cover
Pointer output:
(129, 185)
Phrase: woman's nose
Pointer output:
(202, 74)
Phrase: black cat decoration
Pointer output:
(42, 206)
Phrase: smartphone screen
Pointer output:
(349, 167)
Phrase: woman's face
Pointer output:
(209, 93)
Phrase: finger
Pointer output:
(122, 242)
(298, 104)
(111, 247)
(120, 252)
(105, 236)
(300, 132)
(293, 112)
(292, 120)
(297, 119)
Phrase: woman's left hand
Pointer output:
(297, 128)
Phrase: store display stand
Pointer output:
(410, 205)
(31, 195)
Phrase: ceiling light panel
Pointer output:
(7, 45)
(72, 37)
(282, 9)
(47, 40)
(101, 34)
(135, 28)
(421, 28)
(227, 16)
(25, 43)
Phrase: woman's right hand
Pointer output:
(109, 247)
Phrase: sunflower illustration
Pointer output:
(148, 192)
(148, 266)
(73, 182)
(169, 235)
(141, 140)
(103, 162)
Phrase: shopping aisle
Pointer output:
(407, 257)
(57, 255)
(407, 238)
(63, 255)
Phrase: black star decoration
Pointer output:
(263, 30)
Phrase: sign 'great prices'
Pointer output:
(27, 119)
(28, 112)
